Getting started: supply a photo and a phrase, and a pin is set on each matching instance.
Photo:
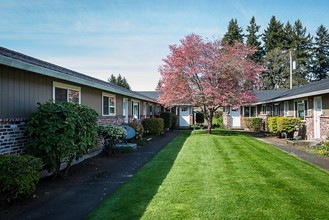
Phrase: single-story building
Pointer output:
(309, 102)
(26, 81)
(184, 112)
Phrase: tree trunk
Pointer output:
(209, 120)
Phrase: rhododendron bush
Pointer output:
(208, 74)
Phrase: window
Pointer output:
(66, 93)
(285, 108)
(249, 111)
(301, 108)
(264, 109)
(135, 108)
(108, 104)
(276, 109)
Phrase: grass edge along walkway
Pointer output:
(223, 175)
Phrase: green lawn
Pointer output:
(225, 175)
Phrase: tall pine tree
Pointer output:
(301, 46)
(274, 35)
(253, 39)
(233, 34)
(320, 62)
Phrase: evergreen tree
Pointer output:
(288, 39)
(301, 46)
(233, 34)
(274, 35)
(113, 79)
(277, 75)
(120, 81)
(253, 39)
(320, 63)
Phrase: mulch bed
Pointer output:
(49, 187)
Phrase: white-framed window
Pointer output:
(135, 109)
(108, 104)
(249, 111)
(66, 93)
(301, 108)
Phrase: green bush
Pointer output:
(153, 126)
(167, 119)
(272, 124)
(288, 125)
(123, 149)
(217, 120)
(253, 124)
(58, 131)
(283, 124)
(139, 129)
(19, 176)
(199, 117)
(174, 121)
(112, 134)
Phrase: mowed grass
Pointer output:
(224, 175)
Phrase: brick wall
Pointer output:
(12, 136)
(309, 124)
(324, 126)
(114, 120)
(12, 133)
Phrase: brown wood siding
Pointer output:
(119, 105)
(21, 91)
(92, 98)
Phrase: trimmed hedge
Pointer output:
(153, 126)
(19, 176)
(272, 124)
(139, 129)
(283, 124)
(253, 124)
(167, 119)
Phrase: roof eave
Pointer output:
(8, 61)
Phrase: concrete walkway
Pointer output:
(322, 162)
(81, 199)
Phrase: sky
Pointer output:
(131, 37)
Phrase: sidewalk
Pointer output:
(81, 199)
(322, 162)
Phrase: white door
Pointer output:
(184, 117)
(317, 114)
(125, 110)
(235, 118)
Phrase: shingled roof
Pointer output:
(311, 89)
(24, 62)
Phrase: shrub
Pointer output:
(58, 131)
(174, 121)
(253, 124)
(19, 176)
(217, 120)
(153, 126)
(167, 119)
(112, 134)
(139, 129)
(288, 125)
(199, 117)
(272, 124)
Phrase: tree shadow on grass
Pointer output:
(132, 199)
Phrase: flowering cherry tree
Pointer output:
(207, 74)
